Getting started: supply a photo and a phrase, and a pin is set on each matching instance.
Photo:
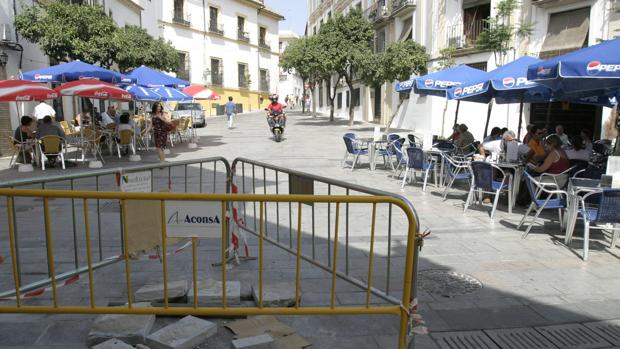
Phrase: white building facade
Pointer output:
(290, 83)
(559, 26)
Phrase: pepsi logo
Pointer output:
(542, 71)
(457, 92)
(508, 82)
(428, 82)
(42, 77)
(596, 67)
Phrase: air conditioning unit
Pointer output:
(5, 32)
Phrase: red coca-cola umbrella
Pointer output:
(24, 91)
(200, 92)
(94, 89)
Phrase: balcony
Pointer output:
(402, 7)
(216, 28)
(464, 36)
(181, 18)
(217, 79)
(377, 12)
(262, 43)
(553, 3)
(243, 36)
(264, 85)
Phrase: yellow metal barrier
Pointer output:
(401, 309)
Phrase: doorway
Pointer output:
(574, 117)
(377, 106)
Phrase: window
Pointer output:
(262, 35)
(479, 65)
(216, 71)
(241, 33)
(264, 79)
(474, 22)
(321, 95)
(380, 41)
(339, 102)
(567, 31)
(314, 30)
(348, 98)
(183, 69)
(178, 11)
(244, 76)
(214, 26)
(356, 97)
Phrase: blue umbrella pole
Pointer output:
(456, 114)
(520, 117)
(486, 127)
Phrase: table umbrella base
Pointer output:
(135, 157)
(192, 145)
(167, 151)
(25, 168)
(95, 164)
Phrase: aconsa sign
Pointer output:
(193, 219)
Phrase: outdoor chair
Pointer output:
(590, 172)
(51, 146)
(346, 151)
(414, 141)
(401, 158)
(145, 135)
(484, 182)
(559, 179)
(388, 152)
(16, 148)
(555, 200)
(468, 150)
(576, 166)
(92, 141)
(602, 215)
(418, 160)
(353, 149)
(457, 169)
(125, 141)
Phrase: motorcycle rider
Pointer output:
(275, 109)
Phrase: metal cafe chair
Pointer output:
(602, 215)
(555, 200)
(484, 182)
(457, 169)
(418, 160)
(353, 149)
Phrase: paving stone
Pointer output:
(610, 330)
(263, 341)
(184, 334)
(131, 329)
(519, 338)
(573, 336)
(155, 293)
(279, 294)
(463, 340)
(210, 292)
(113, 344)
(142, 346)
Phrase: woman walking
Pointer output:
(161, 128)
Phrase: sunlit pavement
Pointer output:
(526, 283)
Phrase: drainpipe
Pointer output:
(258, 50)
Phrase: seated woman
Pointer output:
(124, 124)
(556, 160)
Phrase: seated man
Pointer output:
(537, 150)
(465, 138)
(48, 128)
(23, 137)
(497, 146)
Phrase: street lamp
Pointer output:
(3, 58)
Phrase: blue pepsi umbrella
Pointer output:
(507, 84)
(72, 71)
(148, 77)
(438, 83)
(169, 94)
(144, 94)
(595, 69)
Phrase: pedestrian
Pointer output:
(161, 127)
(42, 110)
(230, 110)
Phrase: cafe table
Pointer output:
(373, 146)
(517, 169)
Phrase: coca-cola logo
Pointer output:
(101, 94)
(23, 98)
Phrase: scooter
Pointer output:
(276, 121)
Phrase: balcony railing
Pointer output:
(217, 28)
(181, 18)
(264, 85)
(217, 79)
(183, 74)
(464, 35)
(402, 5)
(243, 82)
(377, 11)
(243, 36)
(262, 43)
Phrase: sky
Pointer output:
(295, 11)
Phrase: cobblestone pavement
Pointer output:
(475, 274)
